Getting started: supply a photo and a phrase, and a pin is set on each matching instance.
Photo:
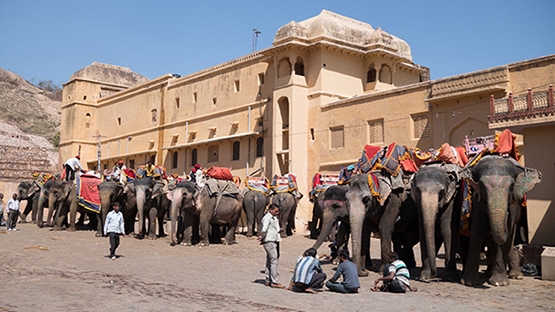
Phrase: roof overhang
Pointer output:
(208, 141)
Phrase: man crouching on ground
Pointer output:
(308, 275)
(349, 271)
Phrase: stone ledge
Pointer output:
(548, 264)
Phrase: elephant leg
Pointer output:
(161, 219)
(99, 229)
(477, 235)
(366, 260)
(60, 218)
(49, 222)
(23, 216)
(499, 265)
(152, 215)
(72, 217)
(387, 224)
(204, 227)
(189, 221)
(35, 208)
(291, 222)
(249, 212)
(514, 260)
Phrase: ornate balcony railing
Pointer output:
(522, 106)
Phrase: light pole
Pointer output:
(255, 33)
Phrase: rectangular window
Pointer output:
(376, 131)
(337, 137)
(214, 101)
(132, 163)
(237, 86)
(177, 102)
(119, 121)
(194, 97)
(421, 126)
(213, 153)
(260, 79)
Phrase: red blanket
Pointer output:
(88, 195)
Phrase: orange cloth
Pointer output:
(505, 144)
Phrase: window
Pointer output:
(376, 131)
(299, 67)
(194, 97)
(371, 74)
(194, 158)
(214, 101)
(132, 163)
(236, 150)
(260, 79)
(337, 137)
(119, 121)
(175, 159)
(153, 113)
(421, 126)
(177, 102)
(237, 86)
(213, 153)
(260, 147)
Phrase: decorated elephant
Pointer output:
(254, 204)
(434, 188)
(334, 208)
(499, 187)
(375, 201)
(110, 192)
(29, 191)
(147, 194)
(316, 224)
(287, 202)
(218, 202)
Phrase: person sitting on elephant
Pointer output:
(114, 227)
(118, 172)
(395, 278)
(150, 170)
(349, 271)
(71, 165)
(195, 172)
(308, 275)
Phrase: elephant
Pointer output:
(254, 205)
(434, 189)
(147, 194)
(29, 191)
(110, 192)
(499, 187)
(378, 212)
(287, 202)
(334, 208)
(315, 226)
(62, 198)
(196, 206)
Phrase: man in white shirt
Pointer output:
(270, 238)
(113, 227)
(119, 175)
(71, 165)
(12, 208)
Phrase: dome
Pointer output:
(111, 74)
(342, 29)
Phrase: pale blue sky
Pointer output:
(52, 39)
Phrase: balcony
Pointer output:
(517, 112)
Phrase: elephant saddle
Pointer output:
(88, 194)
(259, 184)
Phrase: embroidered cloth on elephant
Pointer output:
(221, 187)
(392, 158)
(88, 194)
(286, 183)
(259, 184)
(321, 182)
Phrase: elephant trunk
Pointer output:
(428, 210)
(175, 207)
(40, 217)
(327, 223)
(141, 198)
(498, 222)
(52, 206)
(357, 215)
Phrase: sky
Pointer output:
(51, 39)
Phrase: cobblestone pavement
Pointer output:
(70, 271)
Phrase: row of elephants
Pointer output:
(423, 209)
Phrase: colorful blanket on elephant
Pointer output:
(221, 187)
(259, 184)
(374, 185)
(389, 158)
(347, 172)
(42, 177)
(159, 172)
(466, 208)
(220, 173)
(281, 184)
(452, 155)
(88, 195)
(321, 182)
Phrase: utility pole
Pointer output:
(98, 152)
(255, 33)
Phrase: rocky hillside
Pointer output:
(29, 124)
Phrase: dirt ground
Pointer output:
(43, 270)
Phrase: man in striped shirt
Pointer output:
(396, 276)
(308, 275)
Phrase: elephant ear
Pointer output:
(169, 194)
(454, 176)
(525, 181)
(158, 189)
(385, 190)
(129, 187)
(67, 188)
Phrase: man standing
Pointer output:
(114, 228)
(348, 270)
(269, 237)
(308, 275)
(71, 165)
(2, 223)
(13, 212)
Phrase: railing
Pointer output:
(515, 106)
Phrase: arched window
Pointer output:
(385, 74)
(194, 157)
(371, 74)
(236, 150)
(153, 113)
(299, 67)
(260, 147)
(175, 159)
(284, 68)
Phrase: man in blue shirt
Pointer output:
(348, 270)
(308, 275)
(113, 227)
